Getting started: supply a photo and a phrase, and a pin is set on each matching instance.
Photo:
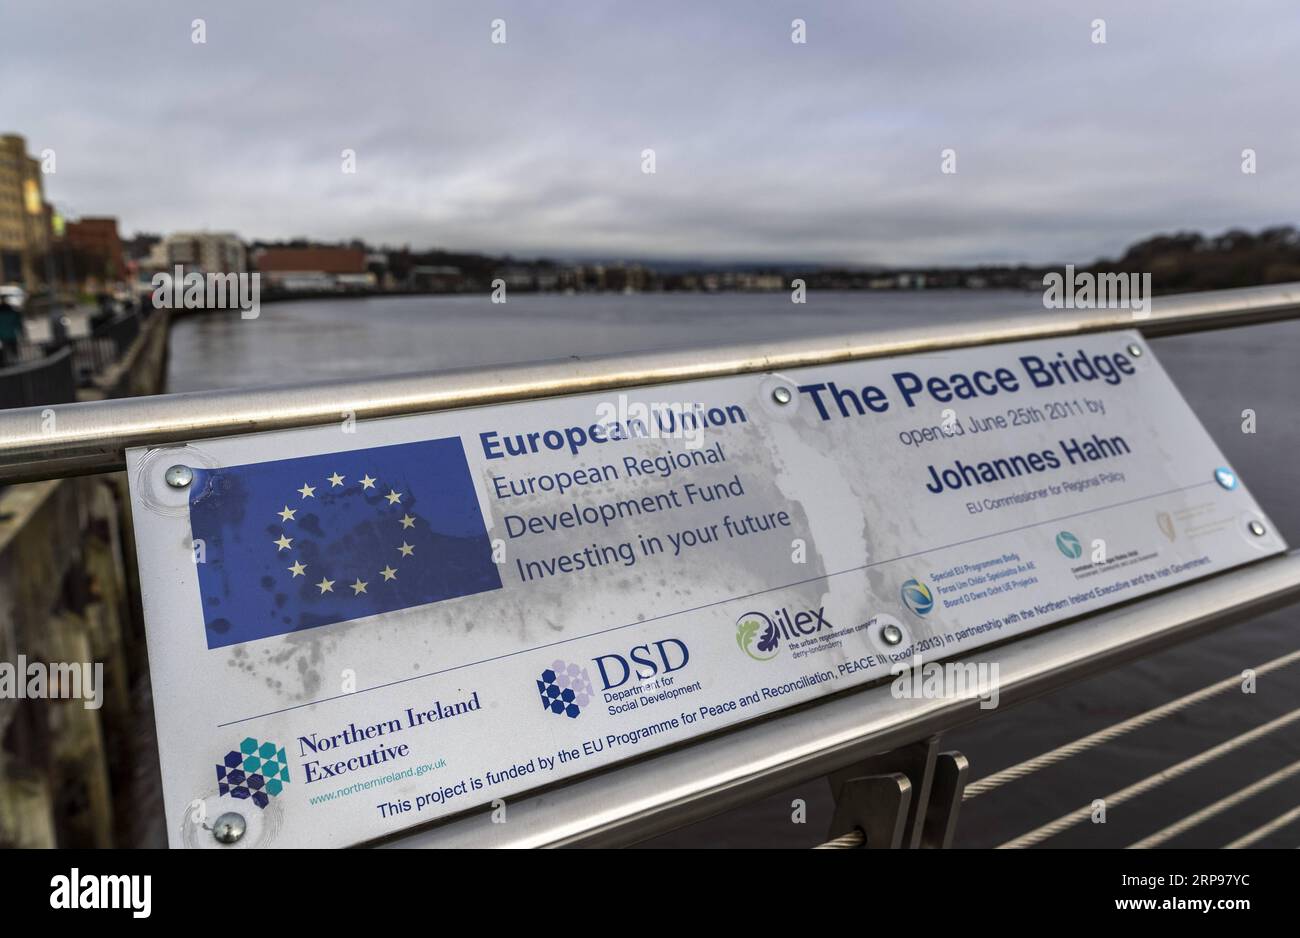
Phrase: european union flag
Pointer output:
(298, 543)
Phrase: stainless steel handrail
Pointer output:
(92, 437)
(632, 801)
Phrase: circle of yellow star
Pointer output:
(335, 479)
(284, 543)
(298, 568)
(367, 482)
(359, 587)
(389, 573)
(407, 522)
(326, 586)
(288, 513)
(308, 491)
(393, 497)
(406, 549)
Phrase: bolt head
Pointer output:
(781, 394)
(179, 476)
(229, 828)
(1257, 528)
(891, 634)
(1135, 350)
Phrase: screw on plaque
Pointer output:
(1135, 350)
(179, 476)
(781, 394)
(891, 634)
(229, 828)
(1257, 528)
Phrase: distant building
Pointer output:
(24, 218)
(209, 252)
(95, 252)
(140, 246)
(436, 278)
(314, 269)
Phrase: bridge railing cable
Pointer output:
(1093, 740)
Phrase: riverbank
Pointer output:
(69, 595)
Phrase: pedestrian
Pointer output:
(59, 323)
(11, 331)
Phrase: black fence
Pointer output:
(50, 373)
(104, 346)
(47, 380)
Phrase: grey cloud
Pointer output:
(828, 151)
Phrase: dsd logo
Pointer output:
(759, 635)
(565, 689)
(642, 661)
(917, 597)
(258, 772)
(1069, 545)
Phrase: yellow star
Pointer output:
(288, 513)
(335, 479)
(389, 573)
(359, 587)
(284, 542)
(367, 482)
(407, 522)
(406, 549)
(298, 568)
(326, 586)
(308, 491)
(393, 497)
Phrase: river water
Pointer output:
(1221, 374)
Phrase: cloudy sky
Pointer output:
(764, 149)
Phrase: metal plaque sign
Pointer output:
(358, 628)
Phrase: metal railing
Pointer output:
(661, 792)
(699, 778)
(93, 437)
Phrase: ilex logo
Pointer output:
(917, 597)
(759, 634)
(1069, 545)
(757, 637)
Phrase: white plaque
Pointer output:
(354, 629)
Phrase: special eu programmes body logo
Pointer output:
(917, 597)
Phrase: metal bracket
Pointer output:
(877, 806)
(951, 769)
(908, 797)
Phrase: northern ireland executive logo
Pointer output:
(565, 689)
(258, 771)
(917, 597)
